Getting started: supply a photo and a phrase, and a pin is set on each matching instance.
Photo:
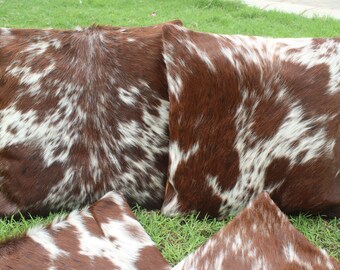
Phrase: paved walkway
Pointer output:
(308, 8)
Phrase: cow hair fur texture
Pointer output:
(252, 114)
(107, 236)
(103, 236)
(87, 111)
(82, 112)
(260, 237)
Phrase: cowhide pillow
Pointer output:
(260, 237)
(104, 236)
(249, 114)
(82, 112)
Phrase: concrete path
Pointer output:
(307, 8)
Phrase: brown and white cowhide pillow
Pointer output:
(249, 114)
(82, 112)
(260, 237)
(104, 236)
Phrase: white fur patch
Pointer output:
(43, 238)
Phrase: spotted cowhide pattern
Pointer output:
(104, 236)
(260, 237)
(82, 112)
(249, 114)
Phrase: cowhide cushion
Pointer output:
(249, 114)
(82, 112)
(104, 236)
(260, 237)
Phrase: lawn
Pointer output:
(175, 236)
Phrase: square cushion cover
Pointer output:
(249, 114)
(82, 112)
(103, 236)
(260, 237)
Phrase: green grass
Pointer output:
(176, 237)
(10, 227)
(214, 16)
